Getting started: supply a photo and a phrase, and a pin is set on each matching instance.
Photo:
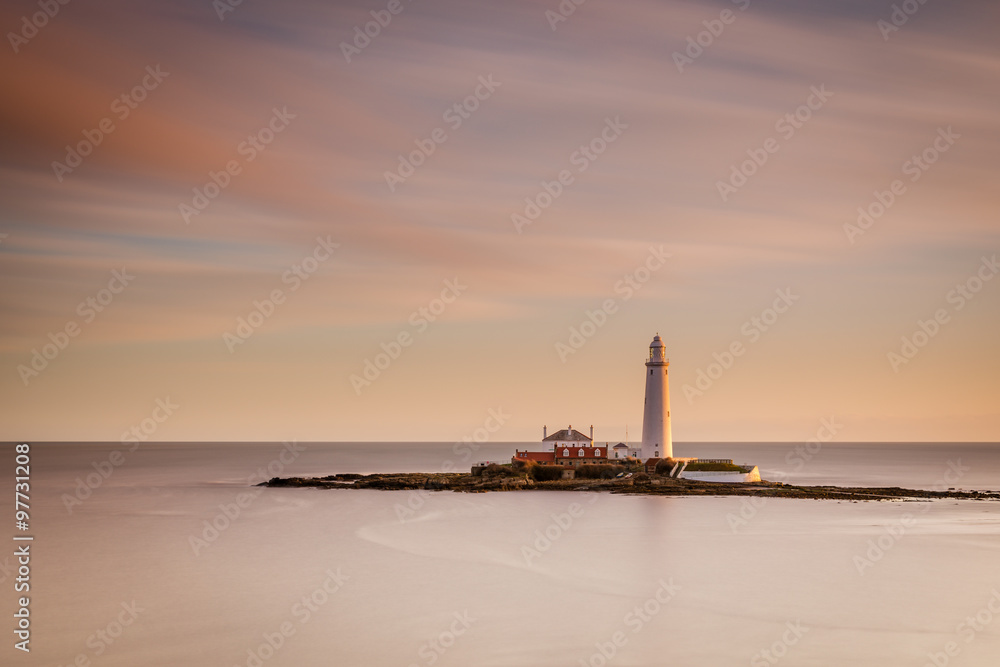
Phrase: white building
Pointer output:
(566, 438)
(657, 441)
(621, 451)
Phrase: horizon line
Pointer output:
(503, 442)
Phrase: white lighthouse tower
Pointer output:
(656, 439)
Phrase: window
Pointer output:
(597, 453)
(580, 453)
(566, 452)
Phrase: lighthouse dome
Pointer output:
(657, 350)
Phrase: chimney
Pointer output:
(591, 431)
(545, 432)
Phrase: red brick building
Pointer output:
(575, 456)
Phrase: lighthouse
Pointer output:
(656, 439)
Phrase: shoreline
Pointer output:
(655, 485)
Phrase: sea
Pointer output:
(169, 554)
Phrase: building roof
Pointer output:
(620, 445)
(574, 452)
(549, 457)
(567, 435)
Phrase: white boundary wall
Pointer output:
(728, 477)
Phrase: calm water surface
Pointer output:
(137, 574)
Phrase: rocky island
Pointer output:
(510, 478)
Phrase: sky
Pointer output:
(442, 219)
